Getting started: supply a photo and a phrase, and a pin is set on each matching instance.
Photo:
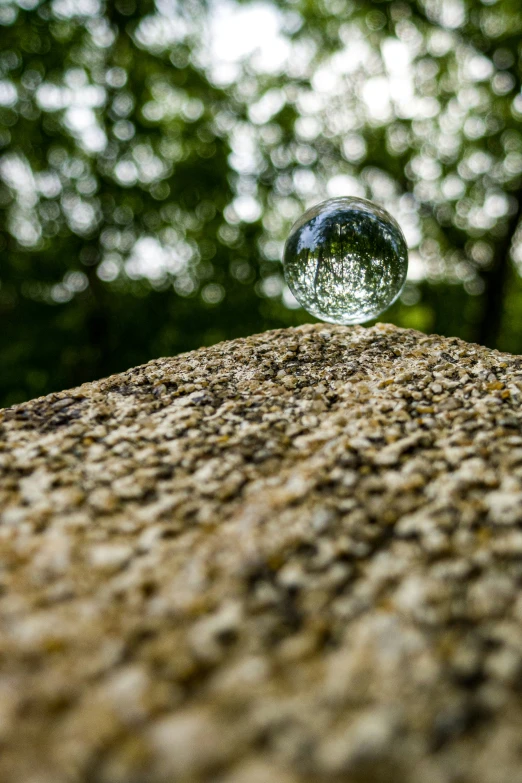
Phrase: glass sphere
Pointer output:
(345, 260)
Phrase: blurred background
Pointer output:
(153, 156)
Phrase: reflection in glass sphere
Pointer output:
(345, 260)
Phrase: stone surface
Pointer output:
(291, 558)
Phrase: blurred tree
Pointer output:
(148, 177)
(417, 106)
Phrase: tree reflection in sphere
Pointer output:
(345, 260)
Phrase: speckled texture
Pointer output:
(293, 558)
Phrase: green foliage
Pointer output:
(145, 192)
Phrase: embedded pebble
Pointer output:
(293, 557)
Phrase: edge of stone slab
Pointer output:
(98, 384)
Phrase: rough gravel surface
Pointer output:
(291, 558)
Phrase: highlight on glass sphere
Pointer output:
(345, 260)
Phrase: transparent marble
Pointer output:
(345, 260)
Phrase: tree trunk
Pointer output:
(495, 278)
